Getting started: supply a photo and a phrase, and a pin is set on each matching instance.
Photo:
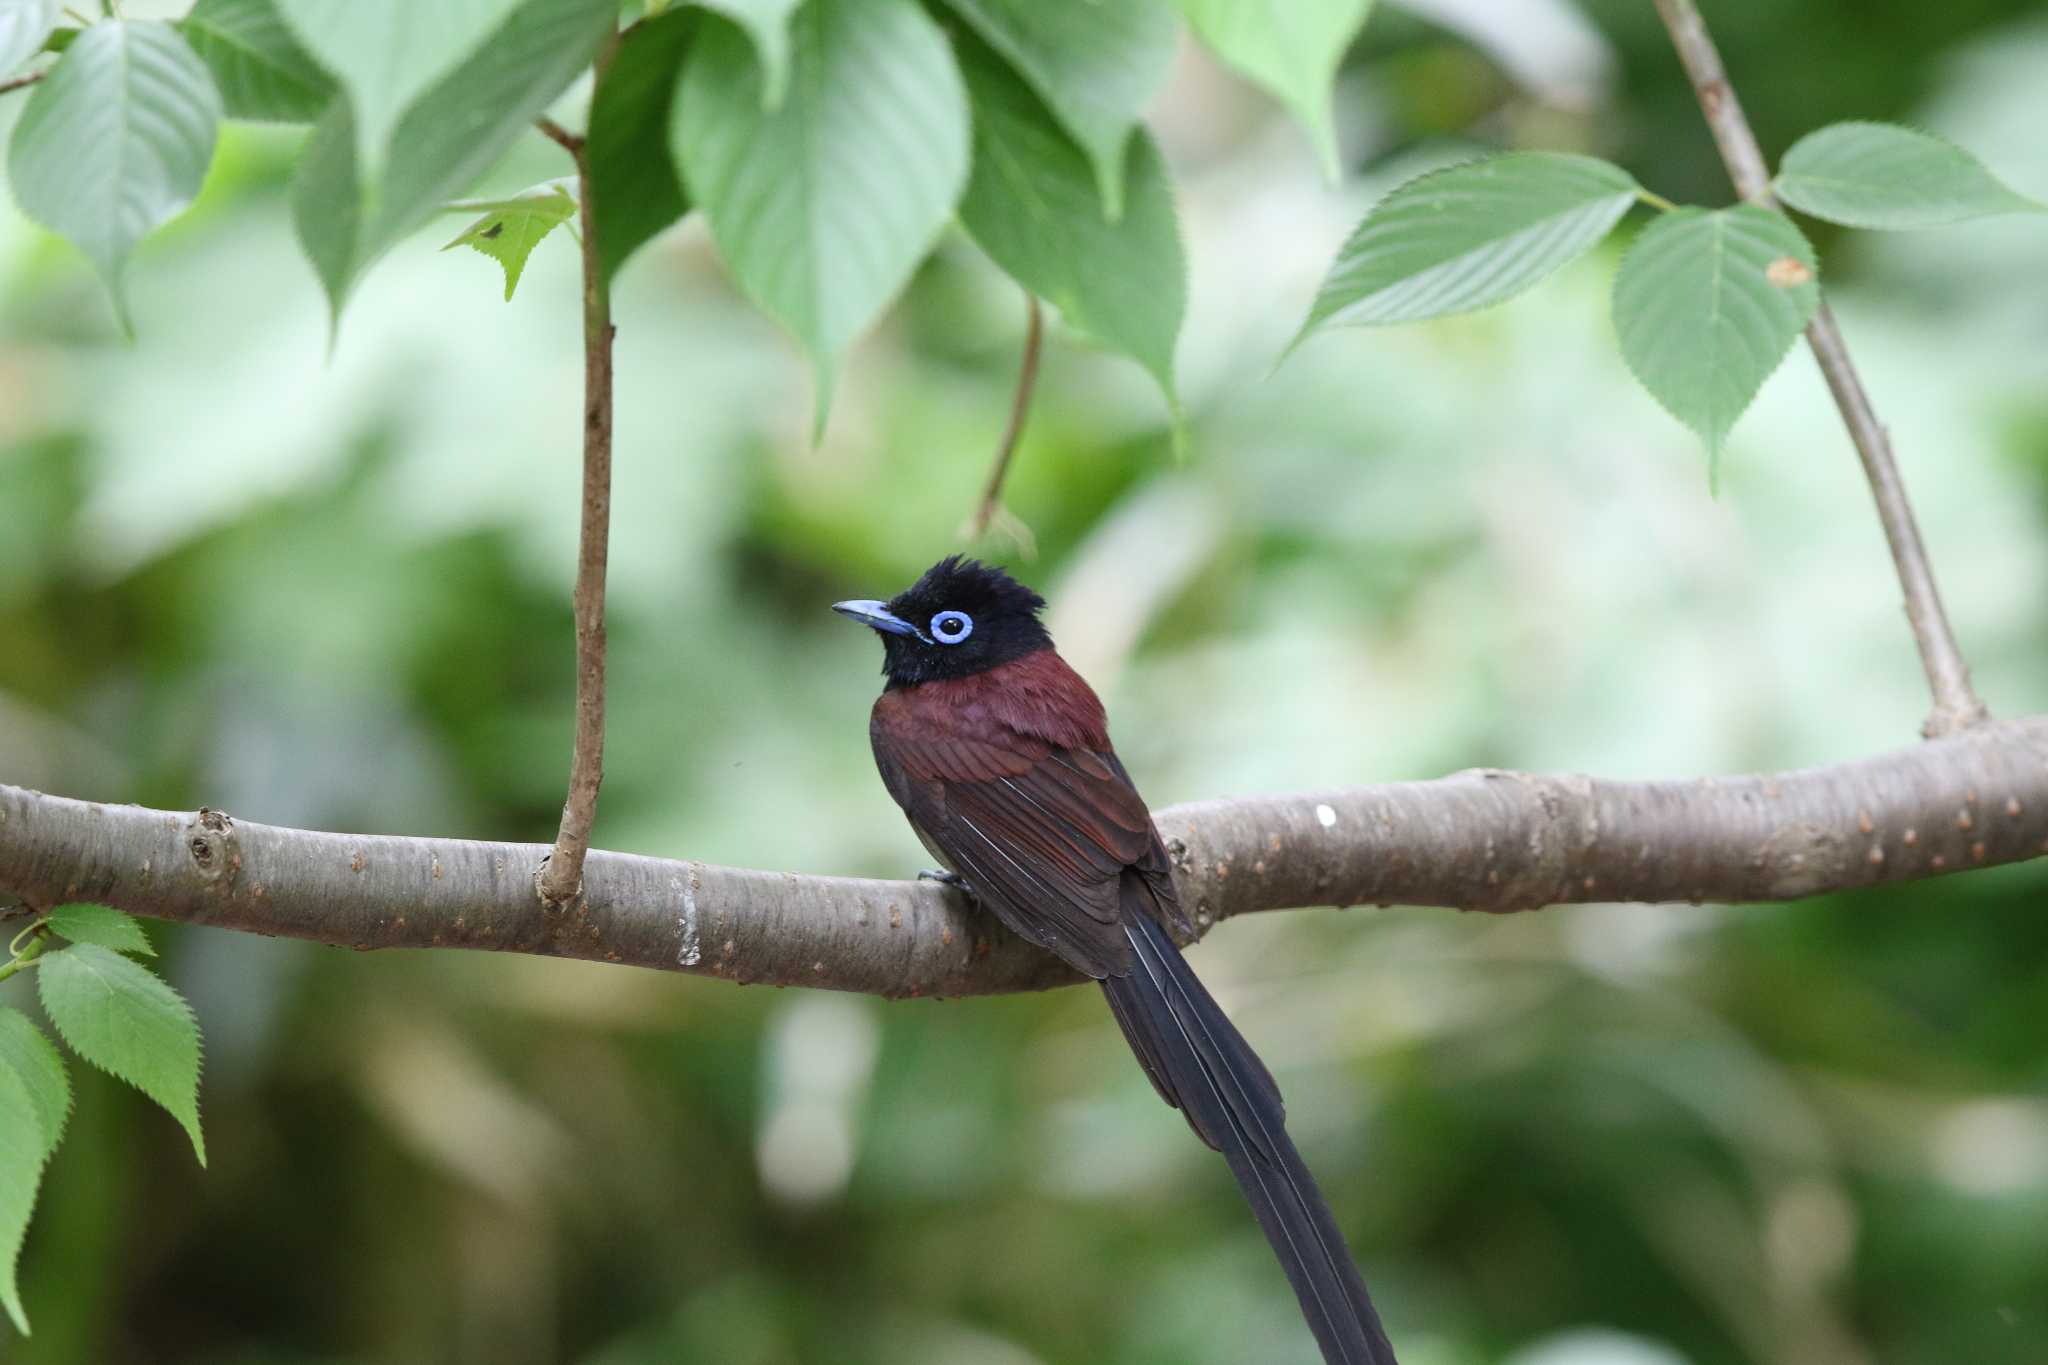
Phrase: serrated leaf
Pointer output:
(1031, 205)
(823, 206)
(123, 1019)
(1707, 303)
(510, 229)
(1470, 236)
(1290, 47)
(1878, 175)
(34, 1060)
(261, 70)
(21, 1171)
(634, 189)
(24, 26)
(35, 1095)
(767, 24)
(455, 133)
(387, 53)
(101, 924)
(1094, 66)
(460, 128)
(115, 141)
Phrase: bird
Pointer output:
(999, 754)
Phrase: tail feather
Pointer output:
(1201, 1064)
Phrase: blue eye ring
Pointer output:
(951, 627)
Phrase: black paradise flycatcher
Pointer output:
(999, 754)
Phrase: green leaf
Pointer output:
(1031, 205)
(824, 206)
(1290, 47)
(1707, 304)
(22, 1156)
(767, 23)
(1094, 65)
(327, 204)
(123, 1019)
(260, 68)
(1878, 175)
(115, 140)
(1470, 236)
(464, 124)
(387, 53)
(455, 133)
(510, 229)
(101, 924)
(35, 1101)
(24, 25)
(634, 189)
(34, 1061)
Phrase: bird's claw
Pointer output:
(949, 879)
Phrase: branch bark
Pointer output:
(1480, 840)
(1956, 704)
(561, 874)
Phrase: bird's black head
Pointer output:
(962, 617)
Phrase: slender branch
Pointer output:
(560, 878)
(1956, 704)
(568, 141)
(1483, 840)
(18, 82)
(1020, 411)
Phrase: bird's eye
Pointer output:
(951, 627)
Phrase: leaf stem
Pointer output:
(26, 956)
(1655, 200)
(560, 877)
(990, 506)
(14, 944)
(21, 82)
(1956, 704)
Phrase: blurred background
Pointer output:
(332, 589)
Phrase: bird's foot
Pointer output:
(950, 879)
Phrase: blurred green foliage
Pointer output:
(333, 591)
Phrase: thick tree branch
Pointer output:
(562, 874)
(1482, 840)
(1956, 704)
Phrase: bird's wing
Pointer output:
(1043, 834)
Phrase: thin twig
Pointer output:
(570, 142)
(1956, 704)
(1020, 411)
(560, 878)
(18, 82)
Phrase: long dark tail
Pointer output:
(1203, 1066)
